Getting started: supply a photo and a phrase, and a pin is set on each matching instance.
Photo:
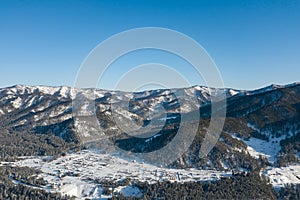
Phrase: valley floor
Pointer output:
(75, 174)
(81, 174)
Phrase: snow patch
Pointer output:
(232, 92)
(129, 191)
(75, 186)
(269, 149)
(257, 147)
(17, 102)
(280, 177)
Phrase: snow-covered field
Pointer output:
(75, 174)
(269, 149)
(258, 147)
(81, 174)
(279, 177)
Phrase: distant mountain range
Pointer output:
(255, 119)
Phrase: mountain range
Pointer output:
(261, 129)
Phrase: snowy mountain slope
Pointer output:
(41, 108)
(267, 115)
(261, 133)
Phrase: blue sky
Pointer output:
(253, 43)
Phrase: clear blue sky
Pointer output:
(253, 43)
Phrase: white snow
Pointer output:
(253, 127)
(45, 89)
(75, 186)
(128, 191)
(233, 92)
(74, 173)
(269, 149)
(151, 138)
(280, 177)
(64, 91)
(17, 102)
(257, 147)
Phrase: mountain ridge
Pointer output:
(273, 85)
(38, 129)
(49, 110)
